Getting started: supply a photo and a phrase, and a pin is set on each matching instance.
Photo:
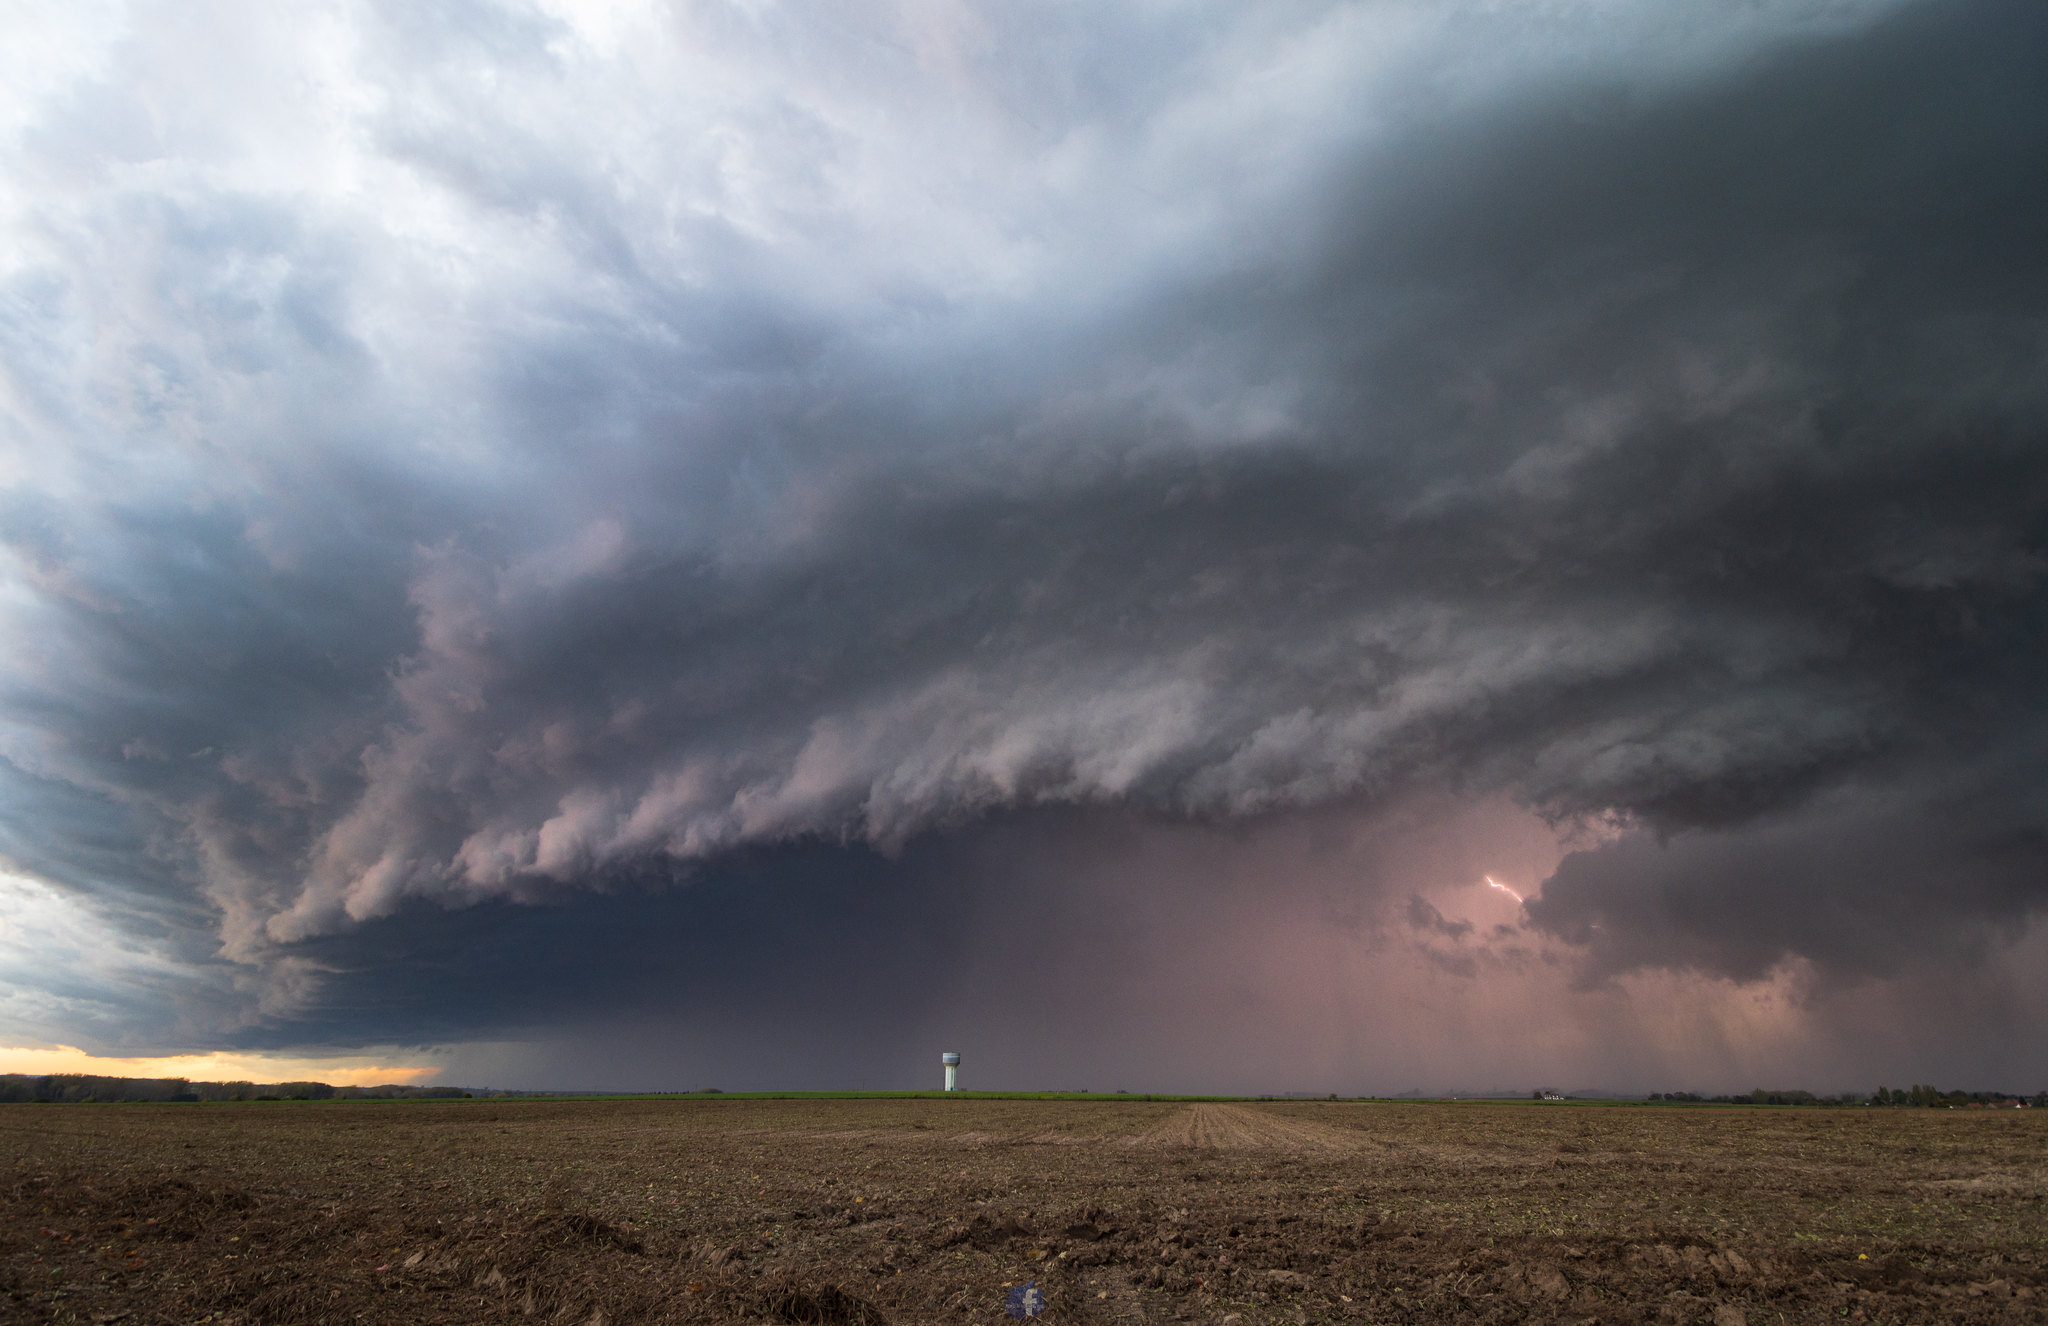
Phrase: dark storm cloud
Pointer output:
(1866, 882)
(1077, 947)
(1653, 439)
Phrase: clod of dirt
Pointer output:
(828, 1306)
(569, 1228)
(986, 1232)
(1890, 1270)
(1542, 1281)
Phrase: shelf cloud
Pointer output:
(480, 462)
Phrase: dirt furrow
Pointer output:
(1244, 1128)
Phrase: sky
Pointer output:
(1161, 545)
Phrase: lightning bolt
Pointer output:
(1503, 888)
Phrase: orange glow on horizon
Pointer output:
(217, 1067)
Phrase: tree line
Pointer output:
(1918, 1097)
(80, 1088)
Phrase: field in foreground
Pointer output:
(820, 1211)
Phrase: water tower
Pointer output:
(951, 1059)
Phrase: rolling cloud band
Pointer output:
(476, 453)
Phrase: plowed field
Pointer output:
(600, 1213)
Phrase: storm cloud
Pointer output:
(475, 455)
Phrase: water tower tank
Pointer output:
(951, 1059)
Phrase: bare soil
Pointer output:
(596, 1213)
